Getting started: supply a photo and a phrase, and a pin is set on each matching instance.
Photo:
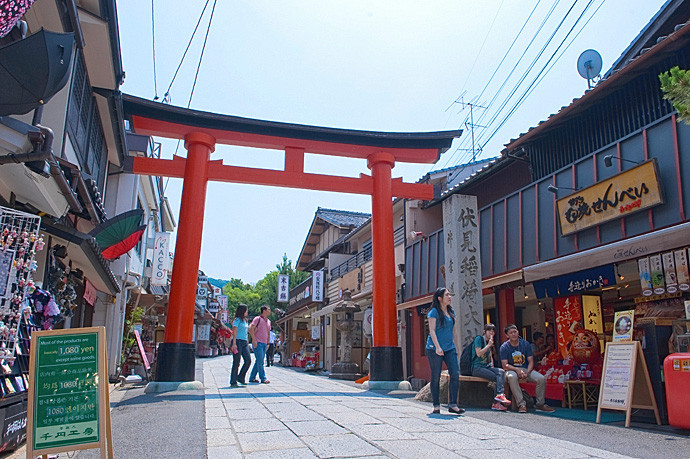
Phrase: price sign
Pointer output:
(68, 407)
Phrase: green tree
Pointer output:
(675, 85)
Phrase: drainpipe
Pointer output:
(43, 151)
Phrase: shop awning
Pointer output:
(326, 310)
(416, 302)
(85, 254)
(502, 279)
(616, 252)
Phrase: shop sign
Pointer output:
(222, 302)
(203, 332)
(577, 282)
(66, 394)
(14, 426)
(568, 316)
(591, 313)
(89, 292)
(300, 295)
(283, 288)
(623, 325)
(213, 306)
(317, 286)
(657, 271)
(682, 272)
(216, 291)
(670, 272)
(315, 332)
(645, 276)
(202, 279)
(368, 321)
(624, 194)
(161, 259)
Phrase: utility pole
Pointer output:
(471, 124)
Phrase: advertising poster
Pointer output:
(616, 382)
(645, 276)
(670, 272)
(682, 272)
(657, 271)
(568, 316)
(623, 325)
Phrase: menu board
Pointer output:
(68, 407)
(615, 386)
(625, 382)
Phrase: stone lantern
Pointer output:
(345, 323)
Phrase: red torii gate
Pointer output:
(201, 131)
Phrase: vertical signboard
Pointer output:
(283, 288)
(681, 258)
(568, 317)
(317, 286)
(657, 269)
(645, 276)
(68, 396)
(463, 273)
(161, 259)
(670, 272)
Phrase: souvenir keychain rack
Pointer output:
(19, 242)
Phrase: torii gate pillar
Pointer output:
(386, 355)
(176, 355)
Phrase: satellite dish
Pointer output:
(589, 65)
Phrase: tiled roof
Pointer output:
(342, 217)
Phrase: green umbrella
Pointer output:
(120, 232)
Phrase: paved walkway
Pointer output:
(299, 415)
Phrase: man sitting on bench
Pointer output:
(483, 366)
(518, 362)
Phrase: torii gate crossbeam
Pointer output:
(201, 132)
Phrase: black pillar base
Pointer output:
(385, 364)
(175, 362)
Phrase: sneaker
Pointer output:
(498, 407)
(545, 407)
(242, 383)
(501, 398)
(522, 409)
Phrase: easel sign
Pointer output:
(69, 404)
(625, 381)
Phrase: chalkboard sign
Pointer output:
(68, 394)
(625, 382)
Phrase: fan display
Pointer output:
(119, 234)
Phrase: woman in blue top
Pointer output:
(240, 327)
(441, 348)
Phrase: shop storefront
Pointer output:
(301, 345)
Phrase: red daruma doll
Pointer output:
(584, 347)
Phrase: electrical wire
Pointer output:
(540, 75)
(201, 56)
(153, 41)
(166, 96)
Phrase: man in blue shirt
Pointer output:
(518, 362)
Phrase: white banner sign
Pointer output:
(283, 288)
(222, 301)
(161, 259)
(317, 286)
(203, 332)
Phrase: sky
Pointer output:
(388, 65)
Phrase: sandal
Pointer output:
(437, 410)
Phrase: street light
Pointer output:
(554, 189)
(608, 160)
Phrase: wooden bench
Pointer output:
(474, 391)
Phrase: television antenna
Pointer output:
(589, 65)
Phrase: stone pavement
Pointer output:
(300, 415)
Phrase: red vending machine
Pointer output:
(677, 377)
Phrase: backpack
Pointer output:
(466, 359)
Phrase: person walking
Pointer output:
(483, 366)
(240, 347)
(441, 348)
(260, 331)
(271, 350)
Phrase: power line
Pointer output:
(540, 74)
(166, 97)
(201, 56)
(153, 40)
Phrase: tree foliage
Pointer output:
(265, 292)
(676, 87)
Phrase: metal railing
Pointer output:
(352, 263)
